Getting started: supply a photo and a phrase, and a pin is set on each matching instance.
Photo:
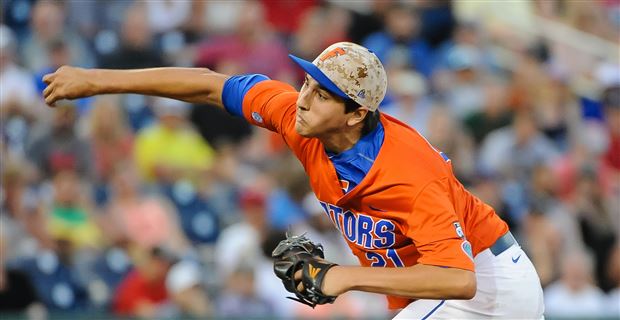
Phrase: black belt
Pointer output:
(502, 243)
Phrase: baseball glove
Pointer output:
(299, 253)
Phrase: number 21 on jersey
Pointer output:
(381, 260)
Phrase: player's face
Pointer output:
(319, 112)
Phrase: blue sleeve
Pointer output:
(235, 89)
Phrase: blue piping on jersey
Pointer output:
(434, 309)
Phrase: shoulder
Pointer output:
(407, 148)
(272, 86)
(270, 92)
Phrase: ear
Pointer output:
(357, 116)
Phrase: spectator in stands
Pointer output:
(309, 39)
(111, 141)
(253, 47)
(284, 16)
(136, 49)
(18, 212)
(366, 22)
(437, 21)
(400, 44)
(17, 82)
(595, 219)
(143, 291)
(515, 150)
(446, 133)
(559, 113)
(59, 147)
(410, 103)
(146, 221)
(574, 295)
(494, 114)
(462, 80)
(163, 16)
(18, 97)
(171, 149)
(239, 297)
(220, 187)
(70, 215)
(586, 151)
(48, 24)
(185, 289)
(240, 242)
(552, 229)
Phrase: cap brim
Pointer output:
(319, 76)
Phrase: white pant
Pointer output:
(508, 287)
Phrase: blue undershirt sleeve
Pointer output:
(235, 89)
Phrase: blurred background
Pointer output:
(133, 206)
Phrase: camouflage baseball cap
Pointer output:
(349, 71)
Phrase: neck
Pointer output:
(342, 140)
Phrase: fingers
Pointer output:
(297, 277)
(48, 90)
(50, 98)
(51, 94)
(47, 79)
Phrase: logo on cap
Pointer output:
(333, 53)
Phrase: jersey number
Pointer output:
(378, 260)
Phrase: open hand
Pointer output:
(67, 83)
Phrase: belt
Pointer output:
(502, 243)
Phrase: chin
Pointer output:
(302, 131)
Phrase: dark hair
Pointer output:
(370, 121)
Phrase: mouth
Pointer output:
(299, 119)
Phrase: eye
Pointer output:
(322, 96)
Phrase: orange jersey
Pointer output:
(408, 209)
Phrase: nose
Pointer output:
(302, 101)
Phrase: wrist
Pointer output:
(337, 281)
(94, 80)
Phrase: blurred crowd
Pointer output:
(149, 207)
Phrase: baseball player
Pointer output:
(433, 248)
